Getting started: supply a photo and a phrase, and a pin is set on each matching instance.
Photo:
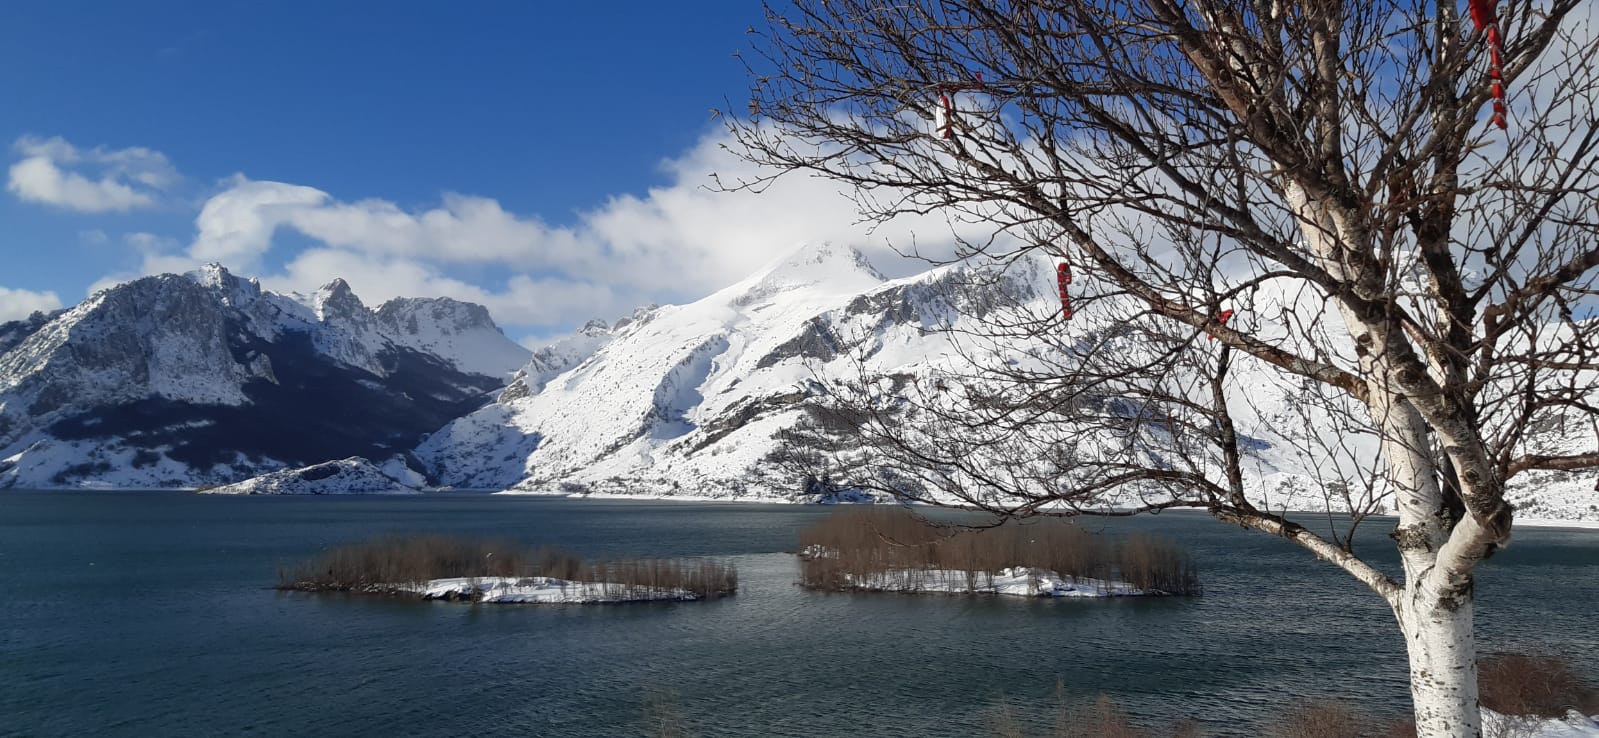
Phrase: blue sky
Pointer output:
(547, 159)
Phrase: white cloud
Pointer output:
(150, 243)
(522, 300)
(99, 180)
(676, 242)
(18, 304)
(237, 224)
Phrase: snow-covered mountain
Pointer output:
(558, 356)
(687, 399)
(206, 378)
(695, 400)
(462, 332)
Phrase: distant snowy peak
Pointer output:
(813, 263)
(447, 327)
(350, 332)
(233, 290)
(823, 268)
(637, 317)
(345, 329)
(461, 333)
(336, 301)
(568, 352)
(434, 315)
(159, 336)
(183, 380)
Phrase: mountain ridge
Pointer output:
(204, 378)
(700, 399)
(704, 400)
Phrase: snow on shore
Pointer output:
(1573, 725)
(864, 499)
(544, 590)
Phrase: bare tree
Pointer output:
(1310, 192)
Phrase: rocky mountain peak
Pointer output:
(443, 314)
(179, 380)
(448, 326)
(232, 290)
(14, 332)
(336, 300)
(639, 315)
(212, 275)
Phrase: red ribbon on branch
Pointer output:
(1063, 275)
(945, 99)
(1221, 320)
(1485, 16)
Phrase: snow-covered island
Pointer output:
(1016, 581)
(435, 567)
(894, 550)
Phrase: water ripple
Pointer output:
(174, 633)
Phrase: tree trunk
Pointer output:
(1443, 662)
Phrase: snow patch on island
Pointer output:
(1016, 581)
(544, 591)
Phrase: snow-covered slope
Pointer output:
(352, 476)
(14, 332)
(185, 380)
(686, 399)
(563, 354)
(694, 400)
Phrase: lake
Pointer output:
(152, 614)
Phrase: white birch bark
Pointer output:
(1441, 643)
(1434, 609)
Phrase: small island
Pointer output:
(436, 567)
(351, 476)
(894, 550)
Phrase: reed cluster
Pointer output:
(892, 548)
(1524, 689)
(391, 564)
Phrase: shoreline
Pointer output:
(739, 499)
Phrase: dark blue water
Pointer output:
(150, 614)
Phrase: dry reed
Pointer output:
(391, 564)
(1533, 685)
(893, 548)
(1099, 717)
